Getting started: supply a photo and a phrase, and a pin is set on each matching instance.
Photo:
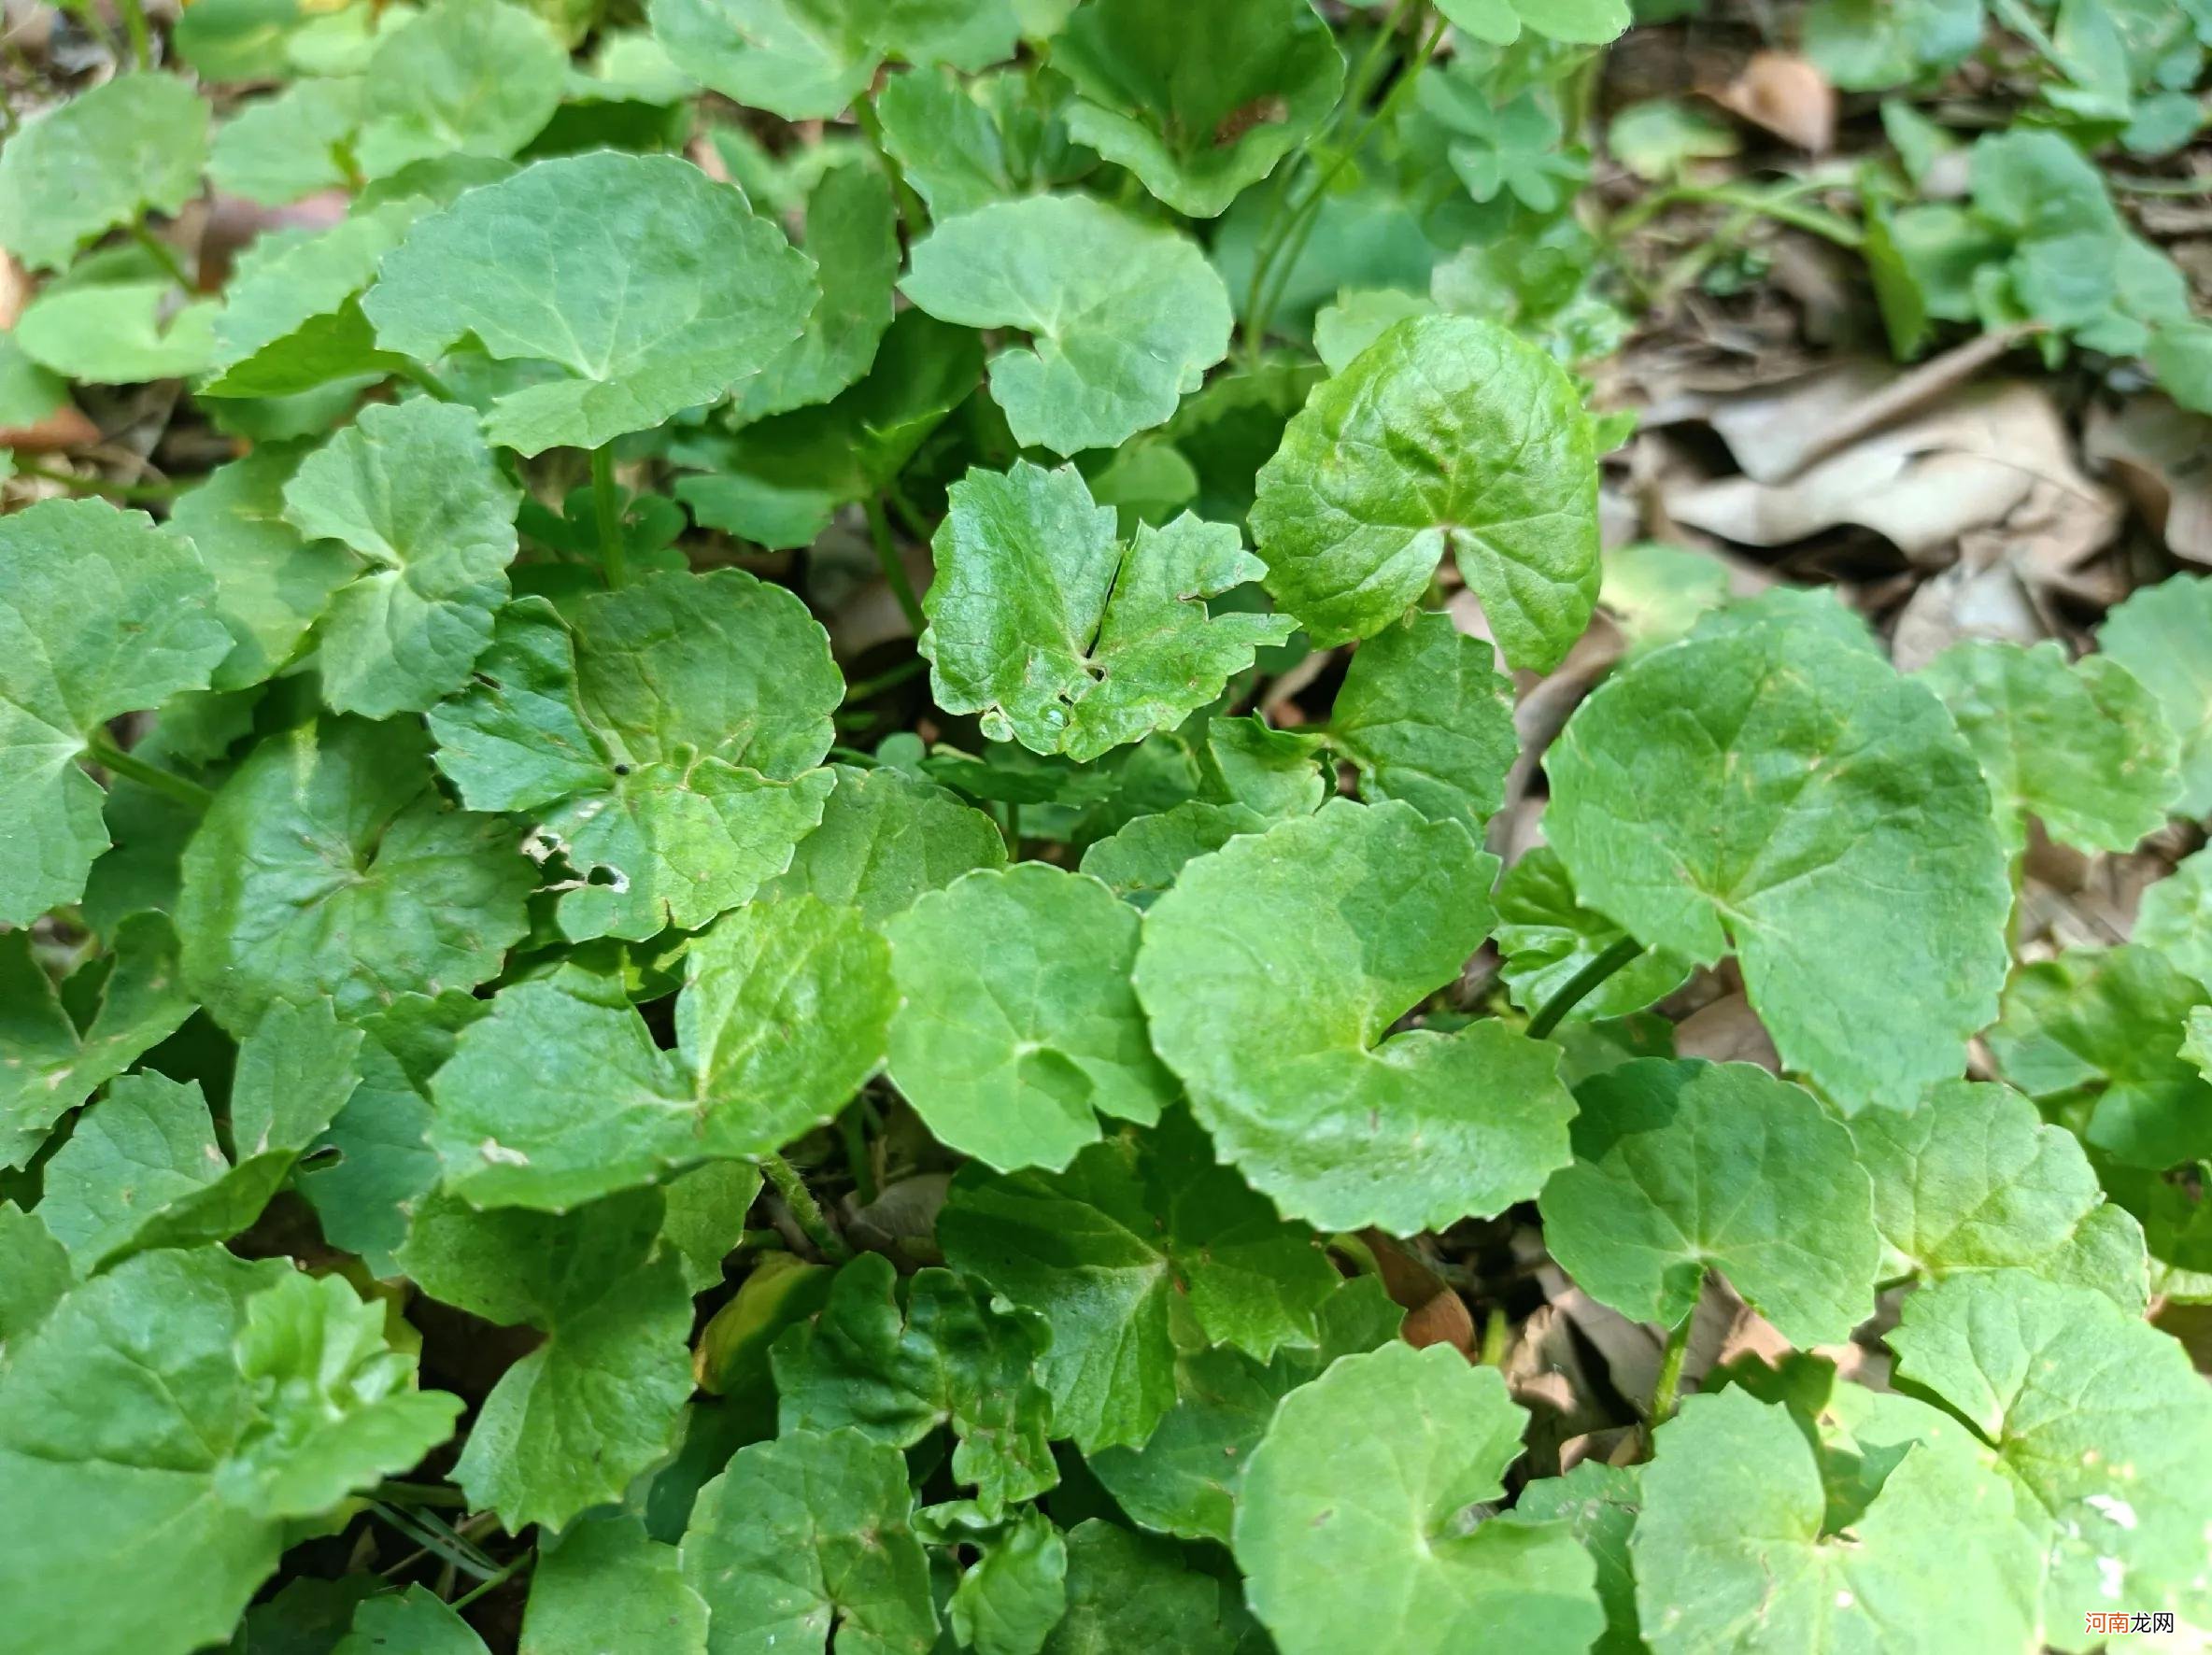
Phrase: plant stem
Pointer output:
(1014, 828)
(104, 752)
(1578, 987)
(97, 485)
(141, 36)
(1495, 1335)
(415, 373)
(890, 679)
(496, 1580)
(805, 1209)
(758, 1242)
(420, 1493)
(163, 254)
(606, 501)
(853, 1128)
(886, 554)
(1670, 1364)
(1777, 204)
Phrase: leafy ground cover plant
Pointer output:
(855, 828)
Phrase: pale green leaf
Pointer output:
(1598, 1503)
(2082, 748)
(1067, 638)
(604, 1585)
(781, 1017)
(97, 161)
(1124, 317)
(895, 1360)
(2163, 634)
(1350, 1530)
(2175, 917)
(1273, 973)
(1974, 1180)
(802, 59)
(1426, 717)
(1686, 1166)
(887, 838)
(1548, 939)
(412, 489)
(277, 150)
(964, 142)
(2099, 1418)
(100, 614)
(1501, 23)
(34, 1273)
(852, 236)
(465, 77)
(1447, 434)
(330, 864)
(570, 1424)
(120, 332)
(1789, 797)
(806, 1533)
(1198, 128)
(417, 1621)
(1016, 1026)
(1731, 1554)
(589, 263)
(1136, 1594)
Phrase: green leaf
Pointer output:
(885, 838)
(1016, 1026)
(570, 1424)
(1197, 131)
(1114, 1251)
(143, 1167)
(1682, 1167)
(34, 1273)
(1068, 640)
(365, 1196)
(2175, 917)
(270, 584)
(589, 263)
(1873, 45)
(1501, 23)
(100, 614)
(412, 489)
(1140, 860)
(1010, 1599)
(277, 150)
(1273, 973)
(417, 1621)
(2084, 749)
(666, 747)
(1426, 717)
(1598, 1503)
(852, 234)
(806, 1533)
(1124, 317)
(964, 143)
(1730, 1550)
(1974, 1180)
(2161, 634)
(782, 1016)
(49, 1064)
(329, 864)
(1185, 1478)
(604, 1585)
(1447, 434)
(1350, 1530)
(1787, 795)
(97, 163)
(807, 59)
(894, 1360)
(706, 1215)
(292, 320)
(2099, 1420)
(1135, 1595)
(177, 1410)
(1548, 939)
(465, 77)
(2101, 1029)
(119, 332)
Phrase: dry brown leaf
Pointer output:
(1444, 1319)
(1966, 601)
(2162, 456)
(1787, 95)
(1726, 1031)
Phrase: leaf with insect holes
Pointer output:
(1446, 435)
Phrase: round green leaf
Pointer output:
(887, 837)
(1446, 434)
(2163, 634)
(1016, 1026)
(97, 163)
(592, 264)
(1683, 1166)
(1548, 939)
(1791, 797)
(604, 1584)
(100, 614)
(808, 59)
(1124, 317)
(2175, 917)
(1426, 718)
(1272, 973)
(1354, 1527)
(1272, 74)
(1136, 1594)
(330, 864)
(465, 77)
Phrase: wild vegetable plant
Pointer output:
(545, 1102)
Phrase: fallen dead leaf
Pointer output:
(2162, 456)
(1787, 95)
(1977, 598)
(1726, 1031)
